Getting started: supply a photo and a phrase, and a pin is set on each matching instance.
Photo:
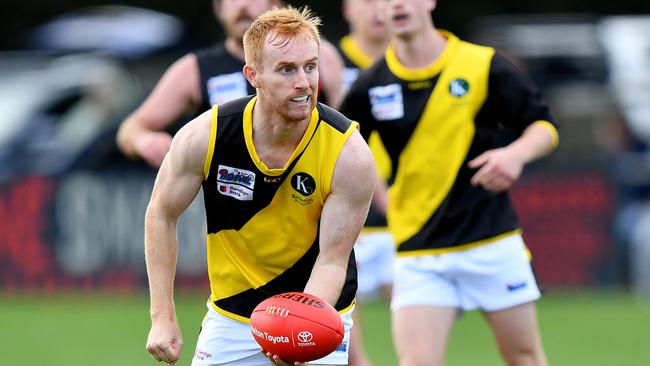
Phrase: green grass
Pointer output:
(578, 327)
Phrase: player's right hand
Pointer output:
(165, 342)
(153, 146)
(277, 361)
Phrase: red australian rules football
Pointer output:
(297, 327)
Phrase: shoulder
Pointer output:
(333, 118)
(184, 65)
(234, 106)
(355, 167)
(190, 145)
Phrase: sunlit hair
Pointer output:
(285, 24)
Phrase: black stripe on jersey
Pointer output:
(235, 106)
(333, 118)
(293, 279)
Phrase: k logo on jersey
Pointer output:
(303, 183)
(458, 87)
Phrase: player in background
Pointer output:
(459, 123)
(205, 77)
(375, 249)
(287, 183)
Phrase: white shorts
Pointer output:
(375, 253)
(491, 277)
(224, 341)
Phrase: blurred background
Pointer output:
(72, 275)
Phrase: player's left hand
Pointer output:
(498, 169)
(275, 360)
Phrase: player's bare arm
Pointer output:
(177, 183)
(332, 69)
(142, 133)
(343, 216)
(498, 169)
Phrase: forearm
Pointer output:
(327, 279)
(161, 247)
(126, 135)
(537, 140)
(380, 197)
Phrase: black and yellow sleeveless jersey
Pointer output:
(356, 59)
(221, 76)
(263, 223)
(433, 121)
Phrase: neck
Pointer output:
(373, 48)
(235, 48)
(275, 139)
(420, 49)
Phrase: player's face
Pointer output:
(406, 17)
(236, 16)
(364, 19)
(288, 81)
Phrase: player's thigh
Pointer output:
(424, 305)
(516, 330)
(496, 276)
(421, 333)
(224, 341)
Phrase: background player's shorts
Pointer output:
(375, 253)
(491, 277)
(224, 341)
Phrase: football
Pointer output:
(297, 327)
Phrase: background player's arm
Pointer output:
(516, 103)
(177, 183)
(331, 70)
(343, 215)
(178, 91)
(499, 168)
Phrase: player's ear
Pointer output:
(251, 75)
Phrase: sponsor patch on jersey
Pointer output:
(223, 88)
(458, 87)
(350, 75)
(387, 102)
(236, 183)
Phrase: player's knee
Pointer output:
(524, 356)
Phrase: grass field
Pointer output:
(579, 328)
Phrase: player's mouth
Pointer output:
(400, 18)
(302, 99)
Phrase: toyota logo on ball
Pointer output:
(304, 336)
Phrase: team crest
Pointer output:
(304, 184)
(236, 183)
(458, 87)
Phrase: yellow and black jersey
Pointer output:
(356, 59)
(263, 223)
(433, 121)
